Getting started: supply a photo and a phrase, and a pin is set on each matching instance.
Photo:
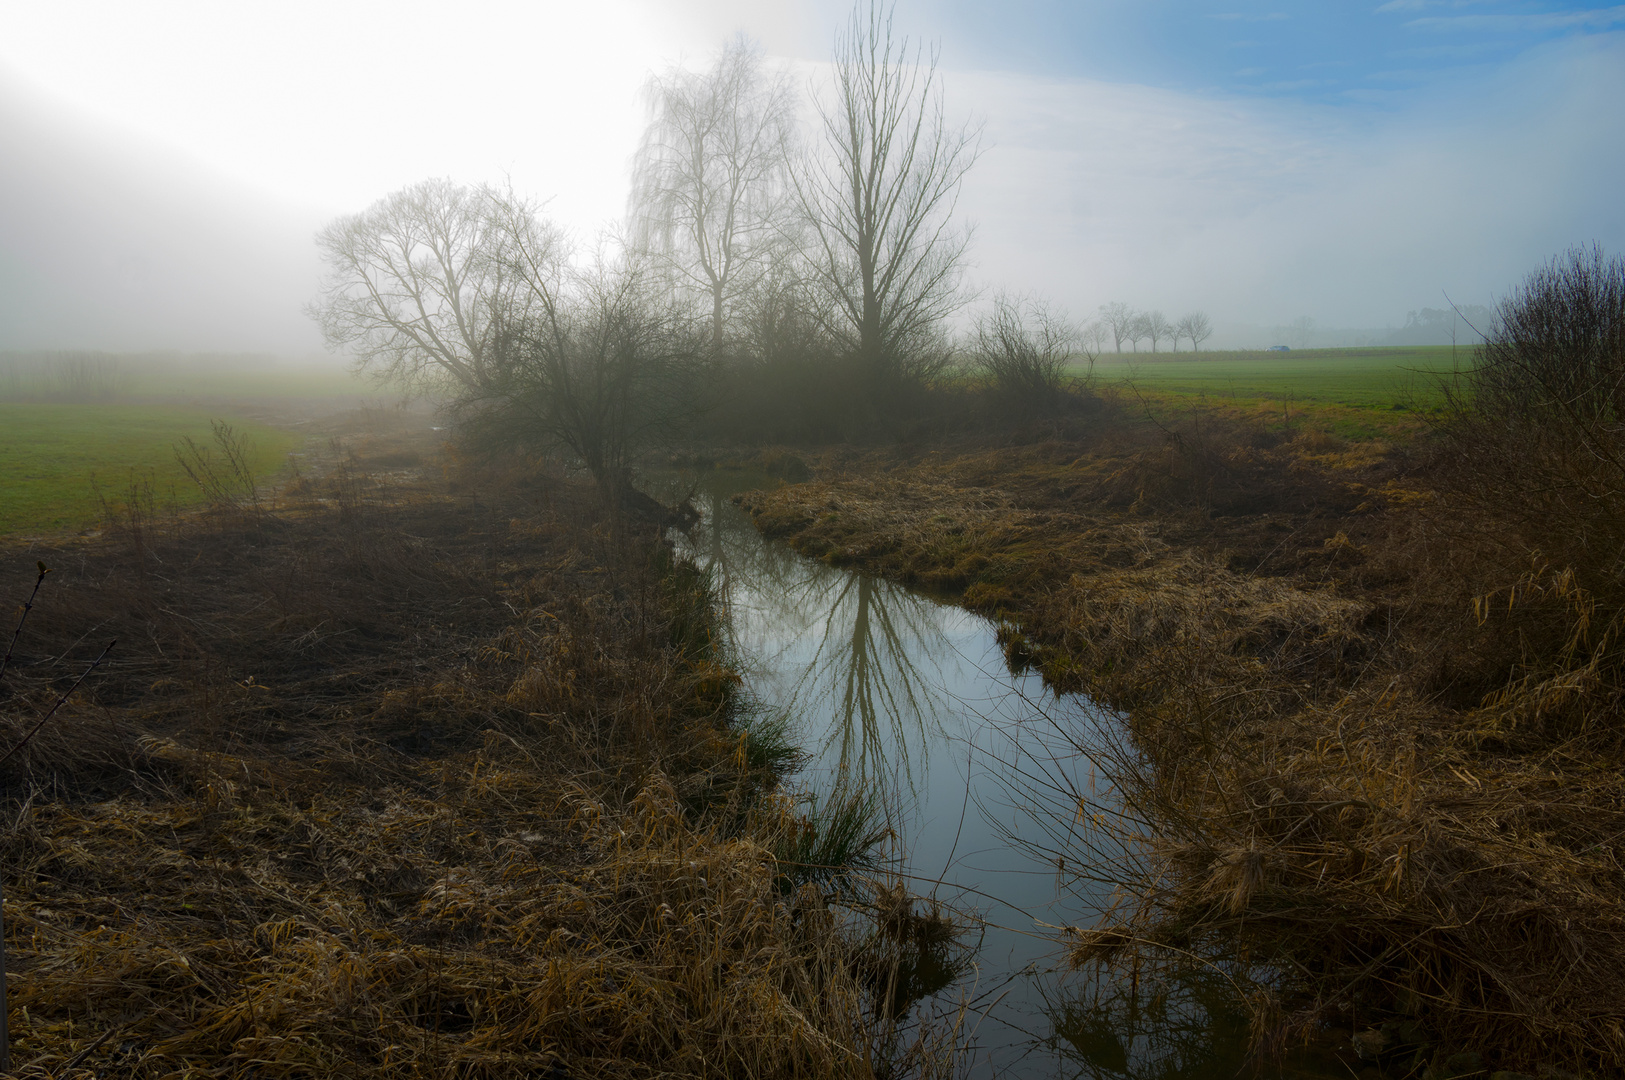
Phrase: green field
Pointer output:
(1366, 378)
(53, 458)
(174, 379)
(1359, 393)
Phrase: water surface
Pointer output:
(987, 779)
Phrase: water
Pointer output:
(988, 778)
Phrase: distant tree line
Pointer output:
(75, 375)
(1468, 325)
(1122, 323)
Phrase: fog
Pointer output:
(165, 168)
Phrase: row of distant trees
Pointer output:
(1119, 323)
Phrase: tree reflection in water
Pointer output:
(854, 659)
(1034, 833)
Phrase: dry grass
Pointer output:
(1352, 796)
(431, 777)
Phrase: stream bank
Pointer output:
(995, 789)
(1282, 629)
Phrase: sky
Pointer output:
(163, 165)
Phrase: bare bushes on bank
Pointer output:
(1536, 497)
(1025, 354)
(1409, 820)
(597, 371)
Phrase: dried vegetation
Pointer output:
(417, 769)
(1382, 747)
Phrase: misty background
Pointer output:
(166, 165)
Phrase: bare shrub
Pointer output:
(224, 472)
(1537, 494)
(598, 374)
(1024, 350)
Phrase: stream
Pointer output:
(987, 778)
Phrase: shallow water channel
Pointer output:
(890, 691)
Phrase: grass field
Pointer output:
(1369, 378)
(264, 381)
(53, 458)
(1359, 393)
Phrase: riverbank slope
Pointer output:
(412, 768)
(1346, 790)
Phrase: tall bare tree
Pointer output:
(1157, 327)
(710, 182)
(470, 291)
(1137, 330)
(1195, 326)
(419, 285)
(1119, 318)
(879, 197)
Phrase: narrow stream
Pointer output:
(896, 693)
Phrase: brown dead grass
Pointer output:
(431, 777)
(1349, 796)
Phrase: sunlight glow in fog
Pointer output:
(169, 161)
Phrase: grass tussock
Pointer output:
(430, 778)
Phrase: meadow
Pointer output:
(58, 462)
(1354, 393)
(78, 429)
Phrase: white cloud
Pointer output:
(1262, 212)
(1545, 22)
(1423, 5)
(1258, 211)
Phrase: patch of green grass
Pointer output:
(53, 457)
(200, 380)
(1358, 378)
(1359, 394)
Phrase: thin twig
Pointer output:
(60, 702)
(27, 607)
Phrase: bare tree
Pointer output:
(879, 198)
(1195, 326)
(1119, 317)
(1158, 327)
(1137, 330)
(419, 283)
(471, 291)
(1093, 336)
(710, 180)
(598, 371)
